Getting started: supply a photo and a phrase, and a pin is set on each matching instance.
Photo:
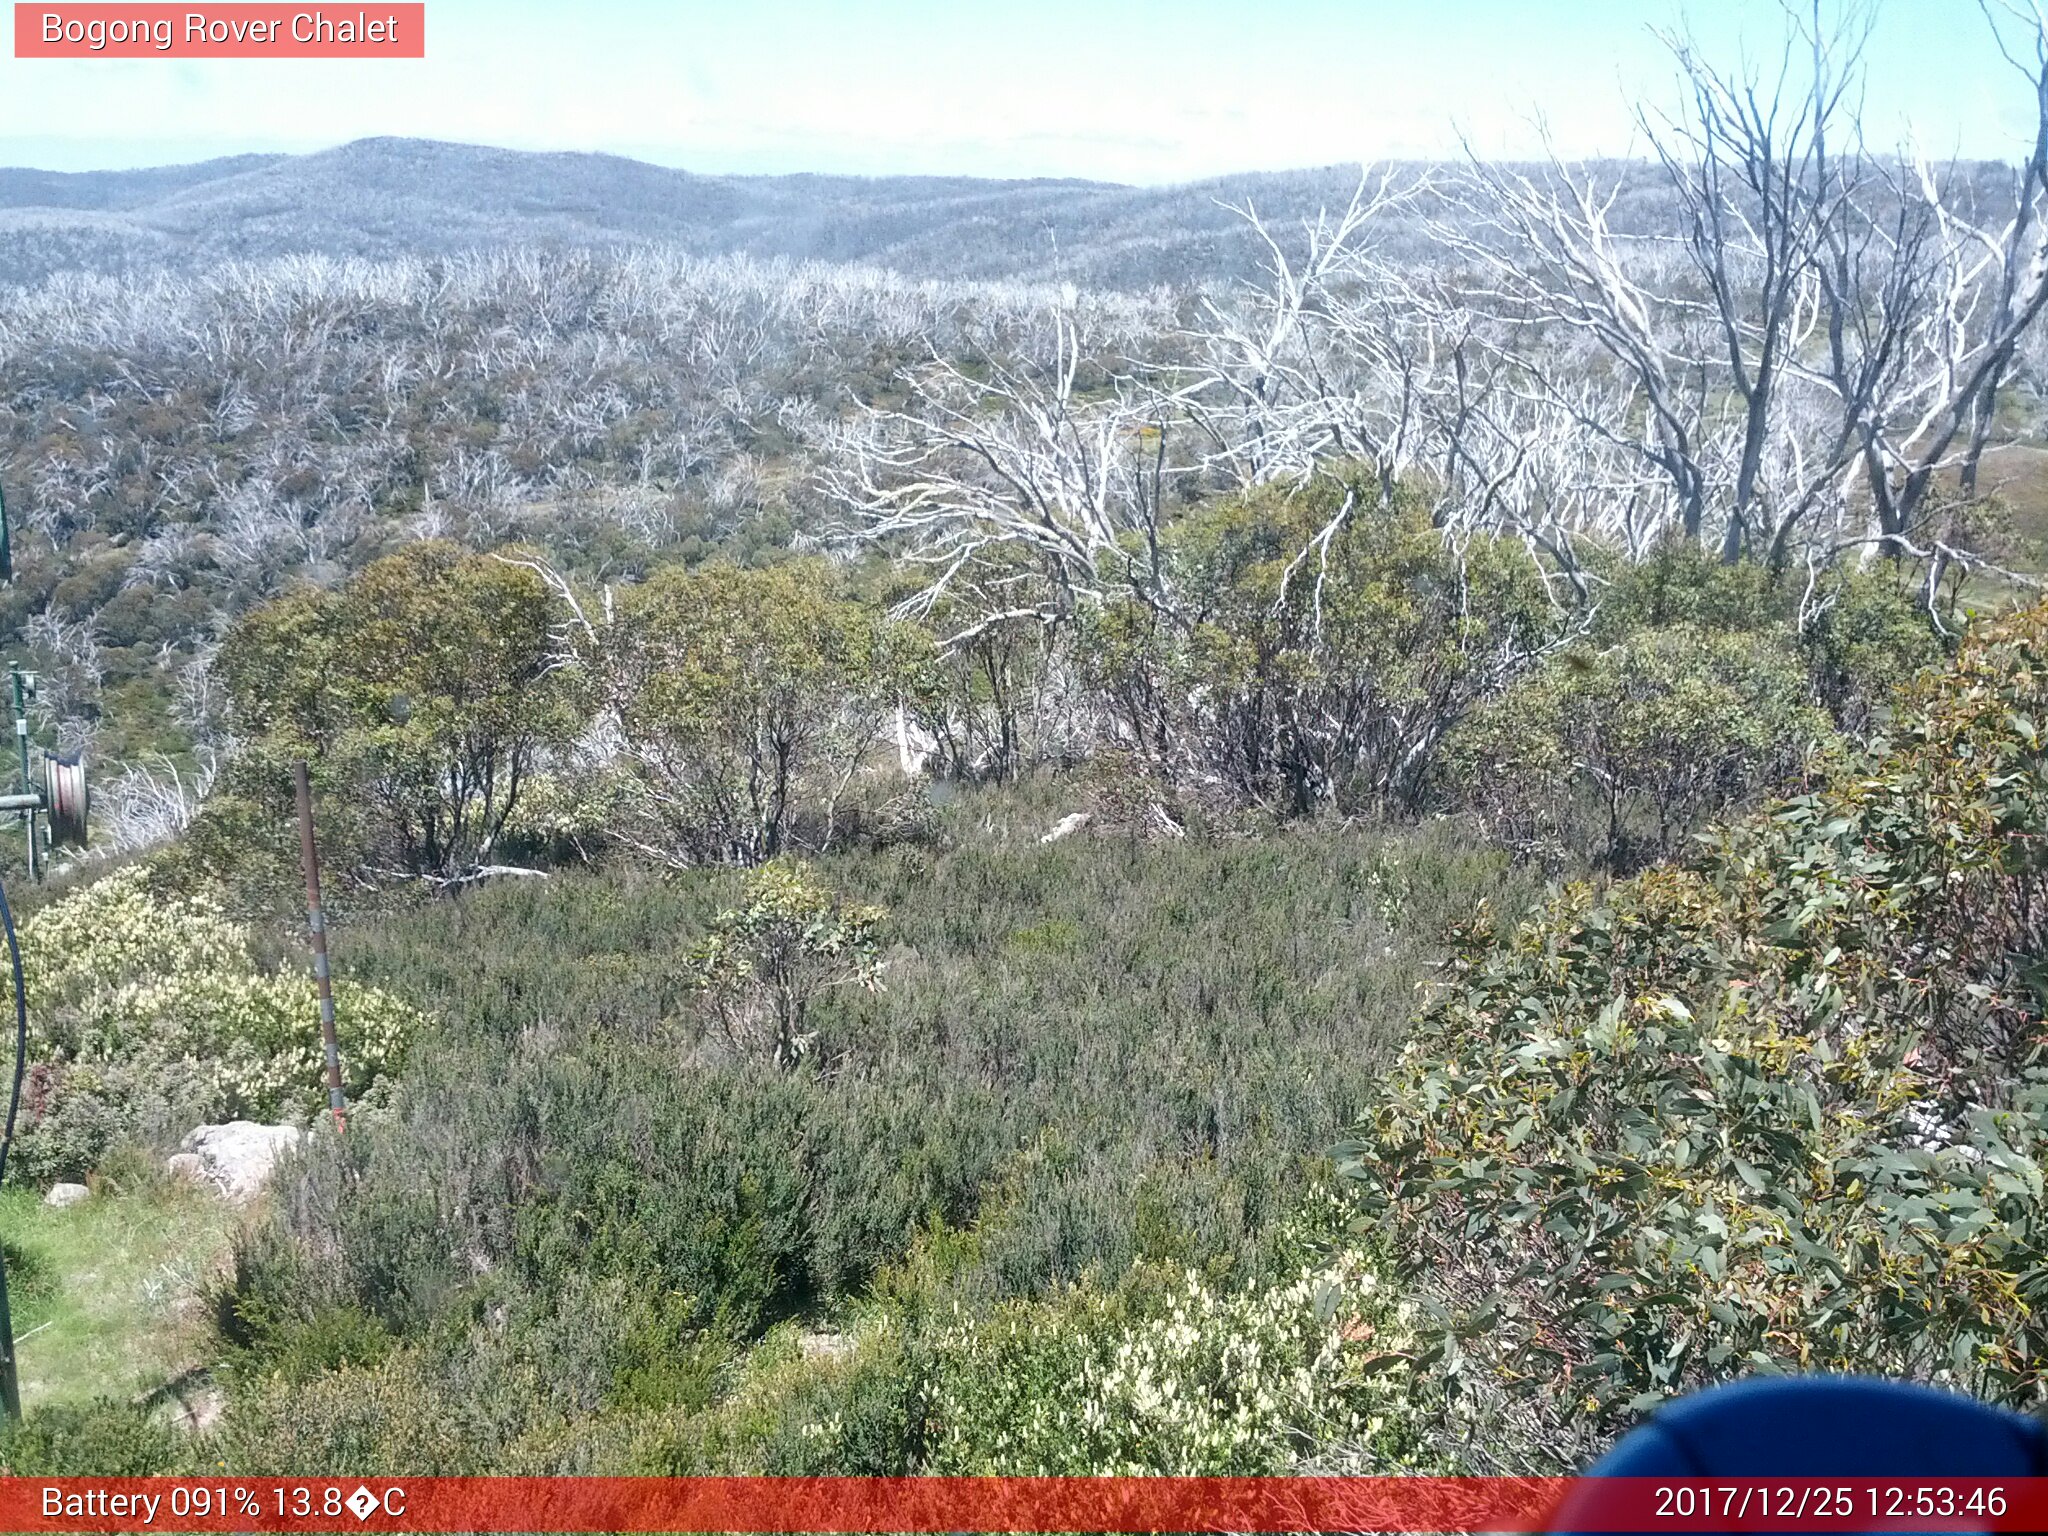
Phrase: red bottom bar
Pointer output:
(1034, 1504)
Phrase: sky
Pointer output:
(1144, 91)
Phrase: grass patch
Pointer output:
(106, 1295)
(2011, 529)
(2017, 474)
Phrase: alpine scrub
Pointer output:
(1170, 1373)
(149, 1015)
(1785, 1109)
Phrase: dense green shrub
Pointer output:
(1623, 751)
(1696, 687)
(424, 689)
(1787, 1110)
(1861, 632)
(746, 701)
(149, 1015)
(1324, 644)
(1680, 583)
(515, 1381)
(765, 961)
(1167, 1370)
(391, 1417)
(849, 1405)
(1868, 639)
(1166, 1373)
(107, 1438)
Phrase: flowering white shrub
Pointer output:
(148, 1015)
(1169, 1374)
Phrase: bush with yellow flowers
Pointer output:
(1170, 1372)
(149, 1014)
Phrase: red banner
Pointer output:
(238, 31)
(922, 1504)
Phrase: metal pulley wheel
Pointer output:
(66, 799)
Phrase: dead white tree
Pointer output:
(1325, 358)
(150, 803)
(1027, 487)
(1823, 333)
(1987, 279)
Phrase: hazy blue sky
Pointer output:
(1127, 90)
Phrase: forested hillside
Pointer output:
(1371, 848)
(382, 198)
(405, 197)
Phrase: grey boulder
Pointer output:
(237, 1158)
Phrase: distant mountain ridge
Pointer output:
(382, 197)
(390, 196)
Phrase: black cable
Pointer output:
(20, 1030)
(10, 1379)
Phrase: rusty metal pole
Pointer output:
(316, 924)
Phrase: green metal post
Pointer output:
(10, 1372)
(21, 741)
